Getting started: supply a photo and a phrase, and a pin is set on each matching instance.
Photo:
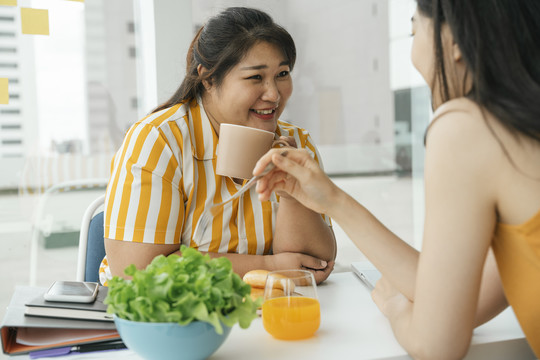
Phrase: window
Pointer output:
(72, 95)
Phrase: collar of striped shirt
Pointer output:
(203, 136)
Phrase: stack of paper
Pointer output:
(23, 334)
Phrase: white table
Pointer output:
(351, 328)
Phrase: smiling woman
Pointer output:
(163, 176)
(255, 91)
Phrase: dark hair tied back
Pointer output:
(222, 43)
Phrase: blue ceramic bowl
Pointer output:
(163, 341)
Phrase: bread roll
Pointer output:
(257, 279)
(259, 292)
(256, 293)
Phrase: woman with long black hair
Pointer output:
(481, 247)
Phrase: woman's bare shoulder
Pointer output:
(459, 105)
(460, 149)
(462, 132)
(459, 120)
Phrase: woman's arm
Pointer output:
(461, 199)
(301, 230)
(393, 257)
(492, 299)
(310, 186)
(398, 260)
(121, 254)
(442, 301)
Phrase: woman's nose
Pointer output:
(271, 92)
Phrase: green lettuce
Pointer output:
(182, 289)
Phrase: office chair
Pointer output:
(91, 243)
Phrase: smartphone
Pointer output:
(366, 272)
(72, 291)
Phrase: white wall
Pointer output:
(342, 80)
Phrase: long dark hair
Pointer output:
(500, 43)
(222, 43)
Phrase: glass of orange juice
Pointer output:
(291, 310)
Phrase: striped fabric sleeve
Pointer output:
(104, 272)
(143, 202)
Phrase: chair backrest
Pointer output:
(91, 243)
(95, 248)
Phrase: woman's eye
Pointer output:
(284, 73)
(255, 77)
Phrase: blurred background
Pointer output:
(74, 75)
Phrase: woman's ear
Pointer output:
(456, 52)
(207, 83)
(200, 69)
(449, 44)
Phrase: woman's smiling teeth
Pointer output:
(263, 112)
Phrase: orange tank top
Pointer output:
(517, 250)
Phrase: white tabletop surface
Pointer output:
(351, 328)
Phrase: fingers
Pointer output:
(321, 275)
(289, 140)
(311, 262)
(292, 172)
(285, 142)
(264, 161)
(295, 163)
(284, 170)
(327, 269)
(270, 183)
(298, 155)
(281, 142)
(275, 180)
(318, 267)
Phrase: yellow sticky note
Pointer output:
(35, 21)
(8, 2)
(77, 0)
(4, 94)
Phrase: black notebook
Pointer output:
(96, 310)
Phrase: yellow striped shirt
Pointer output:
(163, 177)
